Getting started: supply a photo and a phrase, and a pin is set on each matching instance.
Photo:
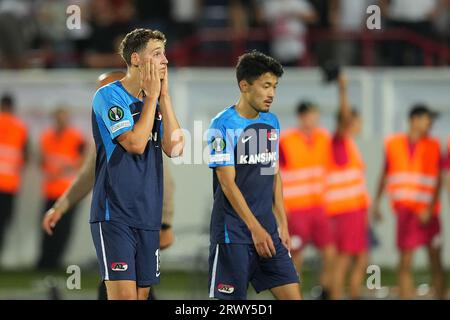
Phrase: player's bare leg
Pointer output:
(405, 279)
(357, 275)
(289, 291)
(142, 293)
(340, 270)
(297, 258)
(121, 290)
(434, 254)
(326, 276)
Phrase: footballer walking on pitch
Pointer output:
(128, 119)
(249, 239)
(84, 183)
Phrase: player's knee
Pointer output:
(294, 293)
(126, 294)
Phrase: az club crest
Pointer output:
(272, 135)
(119, 266)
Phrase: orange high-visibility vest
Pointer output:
(303, 170)
(13, 136)
(61, 160)
(345, 184)
(412, 180)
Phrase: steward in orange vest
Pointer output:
(13, 155)
(62, 149)
(303, 168)
(412, 178)
(346, 189)
(13, 138)
(304, 153)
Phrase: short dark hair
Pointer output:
(421, 109)
(136, 40)
(253, 64)
(7, 102)
(306, 106)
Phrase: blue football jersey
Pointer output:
(251, 146)
(128, 188)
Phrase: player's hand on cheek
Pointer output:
(165, 83)
(150, 79)
(143, 73)
(155, 81)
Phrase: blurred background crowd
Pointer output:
(33, 33)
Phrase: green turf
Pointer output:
(174, 284)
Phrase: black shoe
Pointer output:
(324, 295)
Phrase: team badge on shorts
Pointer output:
(115, 114)
(119, 266)
(225, 288)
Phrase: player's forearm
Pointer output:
(173, 137)
(81, 186)
(278, 204)
(143, 127)
(237, 201)
(168, 209)
(280, 216)
(169, 186)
